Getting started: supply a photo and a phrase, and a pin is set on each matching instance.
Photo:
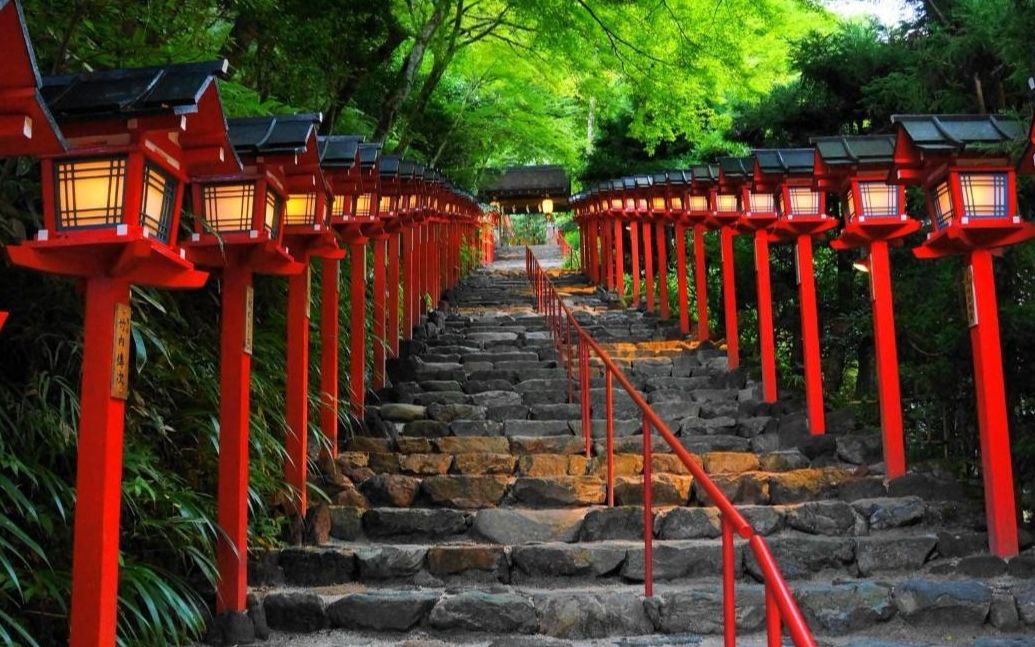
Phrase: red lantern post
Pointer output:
(801, 215)
(856, 168)
(759, 213)
(971, 189)
(111, 207)
(698, 213)
(726, 214)
(667, 204)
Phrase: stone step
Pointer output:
(903, 606)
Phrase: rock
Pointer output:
(558, 491)
(960, 544)
(381, 610)
(493, 384)
(528, 641)
(317, 566)
(805, 485)
(1020, 566)
(824, 518)
(800, 555)
(472, 444)
(346, 522)
(783, 461)
(476, 427)
(562, 411)
(420, 522)
(564, 444)
(231, 628)
(1025, 597)
(669, 464)
(425, 428)
(755, 426)
(678, 559)
(718, 443)
(945, 602)
(484, 463)
(295, 612)
(981, 566)
(874, 554)
(729, 462)
(624, 465)
(424, 464)
(817, 446)
(492, 336)
(257, 614)
(671, 413)
(567, 560)
(592, 615)
(689, 523)
(397, 412)
(393, 490)
(748, 488)
(666, 489)
(441, 385)
(765, 519)
(462, 491)
(495, 398)
(859, 449)
(536, 428)
(542, 465)
(622, 428)
(620, 522)
(707, 426)
(701, 612)
(925, 486)
(463, 558)
(890, 512)
(411, 445)
(515, 526)
(713, 395)
(1003, 614)
(453, 411)
(385, 561)
(496, 613)
(440, 398)
(842, 608)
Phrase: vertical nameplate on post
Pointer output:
(308, 291)
(249, 303)
(970, 296)
(120, 352)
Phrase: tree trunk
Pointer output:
(393, 102)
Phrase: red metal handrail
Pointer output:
(781, 608)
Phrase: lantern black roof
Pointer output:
(628, 183)
(786, 161)
(680, 177)
(863, 149)
(389, 166)
(280, 134)
(339, 151)
(174, 89)
(529, 181)
(406, 169)
(643, 181)
(705, 173)
(369, 154)
(957, 132)
(737, 167)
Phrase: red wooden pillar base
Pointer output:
(619, 248)
(393, 294)
(766, 337)
(810, 336)
(379, 312)
(993, 422)
(606, 260)
(681, 280)
(729, 296)
(648, 266)
(887, 361)
(662, 240)
(95, 556)
(409, 302)
(358, 321)
(329, 303)
(297, 396)
(701, 284)
(634, 248)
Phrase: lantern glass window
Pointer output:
(271, 216)
(803, 201)
(762, 203)
(363, 205)
(228, 207)
(850, 204)
(659, 204)
(300, 209)
(879, 200)
(159, 202)
(641, 204)
(677, 203)
(385, 204)
(698, 203)
(630, 204)
(941, 200)
(616, 203)
(342, 206)
(727, 203)
(90, 192)
(984, 195)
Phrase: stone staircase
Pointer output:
(471, 513)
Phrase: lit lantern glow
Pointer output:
(90, 192)
(762, 203)
(697, 203)
(879, 200)
(271, 219)
(159, 203)
(228, 207)
(658, 203)
(942, 210)
(727, 203)
(364, 203)
(300, 209)
(802, 201)
(984, 195)
(547, 206)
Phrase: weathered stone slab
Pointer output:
(875, 554)
(666, 489)
(620, 522)
(394, 490)
(422, 522)
(689, 523)
(511, 526)
(843, 608)
(568, 560)
(701, 612)
(484, 463)
(800, 555)
(397, 412)
(890, 512)
(466, 558)
(592, 615)
(679, 559)
(535, 427)
(466, 492)
(558, 491)
(835, 518)
(943, 602)
(381, 610)
(304, 566)
(385, 561)
(295, 612)
(496, 613)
